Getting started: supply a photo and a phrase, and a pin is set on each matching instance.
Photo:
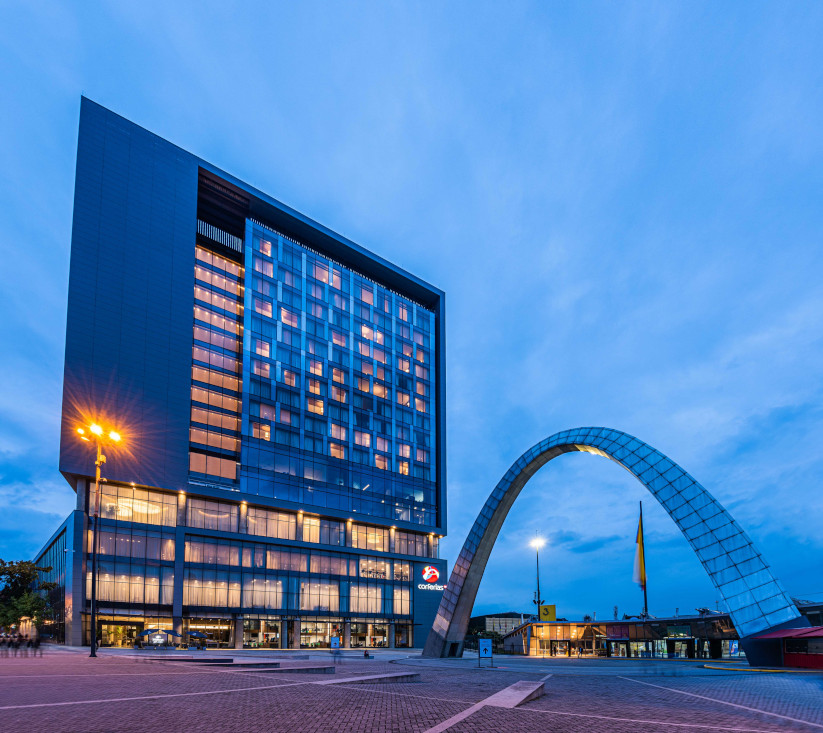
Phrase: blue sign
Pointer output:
(484, 648)
(335, 642)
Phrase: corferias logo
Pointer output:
(431, 574)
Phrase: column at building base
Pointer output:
(296, 624)
(391, 636)
(347, 634)
(238, 632)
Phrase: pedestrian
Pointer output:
(36, 647)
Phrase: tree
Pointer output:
(20, 592)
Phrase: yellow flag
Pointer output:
(548, 613)
(640, 557)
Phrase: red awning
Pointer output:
(806, 632)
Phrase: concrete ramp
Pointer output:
(517, 694)
(371, 679)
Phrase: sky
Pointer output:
(622, 202)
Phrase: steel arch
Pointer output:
(755, 598)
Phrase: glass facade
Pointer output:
(341, 387)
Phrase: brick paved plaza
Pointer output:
(66, 691)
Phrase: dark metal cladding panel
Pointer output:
(129, 325)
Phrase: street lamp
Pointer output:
(537, 543)
(99, 436)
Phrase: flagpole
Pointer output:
(645, 579)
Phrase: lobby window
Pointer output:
(261, 590)
(268, 523)
(203, 514)
(314, 406)
(408, 543)
(365, 598)
(311, 529)
(368, 537)
(128, 504)
(319, 596)
(402, 602)
(261, 431)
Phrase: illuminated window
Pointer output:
(338, 394)
(366, 295)
(363, 348)
(289, 318)
(408, 350)
(404, 450)
(337, 451)
(380, 390)
(422, 456)
(420, 405)
(404, 365)
(262, 348)
(421, 372)
(265, 247)
(382, 462)
(289, 378)
(421, 389)
(315, 406)
(321, 273)
(402, 312)
(366, 332)
(362, 438)
(403, 398)
(420, 355)
(338, 432)
(403, 468)
(314, 386)
(380, 355)
(261, 431)
(338, 375)
(262, 307)
(260, 368)
(381, 444)
(379, 338)
(316, 367)
(286, 417)
(363, 384)
(380, 373)
(366, 367)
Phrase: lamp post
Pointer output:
(537, 543)
(98, 438)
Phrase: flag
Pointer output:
(640, 556)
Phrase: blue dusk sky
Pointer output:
(622, 202)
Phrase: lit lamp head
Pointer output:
(537, 543)
(82, 434)
(96, 429)
(114, 437)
